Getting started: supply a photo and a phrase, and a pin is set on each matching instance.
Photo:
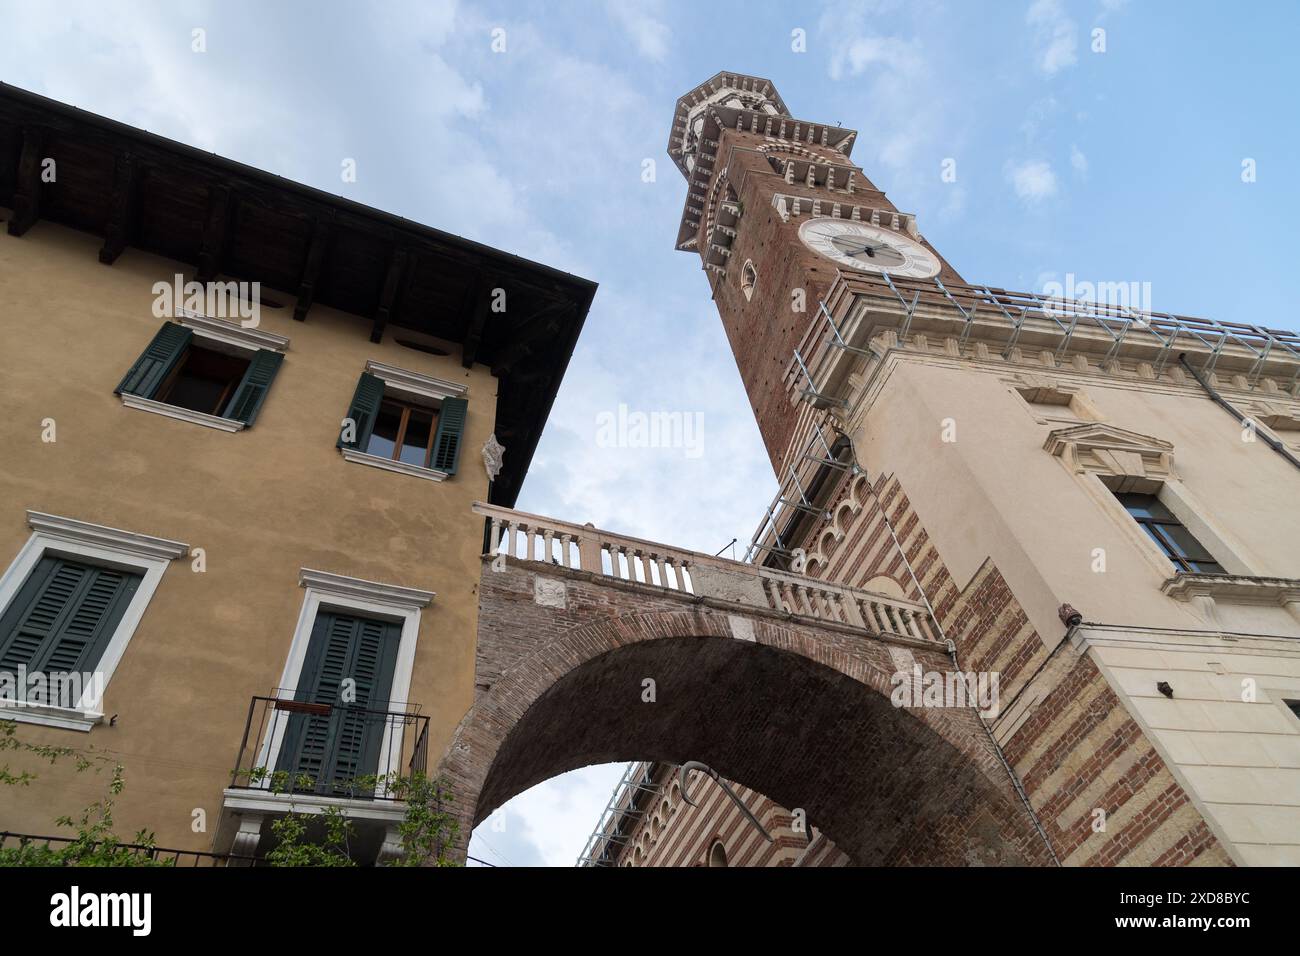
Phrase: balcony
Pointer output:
(304, 757)
(329, 750)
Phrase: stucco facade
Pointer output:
(245, 536)
(262, 504)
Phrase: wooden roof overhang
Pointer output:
(138, 189)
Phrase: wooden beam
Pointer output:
(122, 206)
(387, 295)
(480, 293)
(27, 190)
(221, 202)
(544, 323)
(320, 239)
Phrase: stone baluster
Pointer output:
(773, 593)
(494, 539)
(547, 548)
(853, 612)
(877, 621)
(817, 604)
(910, 616)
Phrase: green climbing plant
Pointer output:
(94, 843)
(428, 829)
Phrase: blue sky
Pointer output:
(1116, 166)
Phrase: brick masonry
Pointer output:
(1076, 749)
(800, 714)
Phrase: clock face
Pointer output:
(868, 248)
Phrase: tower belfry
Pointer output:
(776, 210)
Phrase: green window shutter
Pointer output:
(451, 428)
(156, 361)
(63, 616)
(247, 400)
(363, 410)
(337, 748)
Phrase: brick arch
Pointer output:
(797, 713)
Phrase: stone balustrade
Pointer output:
(529, 537)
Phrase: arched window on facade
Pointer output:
(748, 279)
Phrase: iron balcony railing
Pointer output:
(331, 750)
(161, 856)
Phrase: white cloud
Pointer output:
(651, 36)
(1033, 180)
(549, 824)
(1055, 36)
(1078, 161)
(853, 55)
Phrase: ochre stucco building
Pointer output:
(258, 534)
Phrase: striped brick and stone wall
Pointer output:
(1083, 760)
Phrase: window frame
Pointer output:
(211, 333)
(407, 387)
(57, 536)
(232, 385)
(325, 591)
(1151, 527)
(407, 407)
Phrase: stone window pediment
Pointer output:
(1134, 462)
(1276, 417)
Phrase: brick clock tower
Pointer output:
(775, 208)
(1001, 459)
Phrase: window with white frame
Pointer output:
(207, 371)
(406, 422)
(69, 605)
(350, 663)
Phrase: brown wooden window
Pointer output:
(404, 432)
(1187, 554)
(203, 380)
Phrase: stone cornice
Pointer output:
(1233, 588)
(83, 532)
(327, 583)
(425, 385)
(232, 333)
(1013, 333)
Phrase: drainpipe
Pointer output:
(1015, 779)
(1228, 407)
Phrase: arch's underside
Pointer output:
(879, 781)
